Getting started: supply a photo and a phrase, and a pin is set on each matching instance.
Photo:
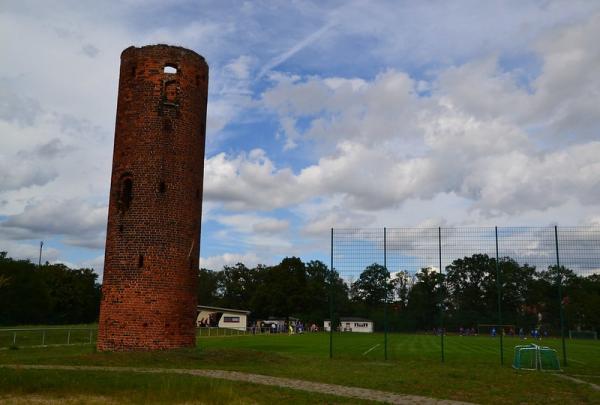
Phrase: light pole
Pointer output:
(40, 258)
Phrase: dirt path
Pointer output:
(332, 389)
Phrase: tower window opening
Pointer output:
(126, 194)
(170, 92)
(133, 70)
(162, 187)
(168, 125)
(141, 261)
(170, 69)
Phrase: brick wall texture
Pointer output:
(153, 233)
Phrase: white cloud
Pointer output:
(403, 114)
(82, 223)
(247, 223)
(230, 259)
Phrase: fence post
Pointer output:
(560, 303)
(331, 289)
(385, 320)
(44, 337)
(91, 332)
(441, 293)
(69, 337)
(499, 285)
(14, 338)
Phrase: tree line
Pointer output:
(47, 294)
(466, 293)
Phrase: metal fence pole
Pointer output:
(69, 337)
(14, 338)
(385, 320)
(331, 281)
(91, 332)
(441, 294)
(43, 338)
(560, 303)
(499, 285)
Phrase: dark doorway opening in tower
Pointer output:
(162, 187)
(168, 124)
(141, 261)
(126, 195)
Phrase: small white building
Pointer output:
(352, 324)
(222, 317)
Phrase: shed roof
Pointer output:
(352, 319)
(235, 311)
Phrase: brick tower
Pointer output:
(153, 234)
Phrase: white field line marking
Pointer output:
(378, 344)
(578, 381)
(576, 361)
(585, 375)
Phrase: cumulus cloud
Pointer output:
(249, 181)
(230, 259)
(16, 175)
(15, 107)
(82, 223)
(422, 124)
(254, 223)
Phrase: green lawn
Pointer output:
(471, 372)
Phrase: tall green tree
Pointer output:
(373, 286)
(425, 298)
(208, 288)
(237, 284)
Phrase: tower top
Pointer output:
(163, 48)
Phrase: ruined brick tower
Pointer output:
(153, 234)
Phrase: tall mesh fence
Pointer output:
(503, 283)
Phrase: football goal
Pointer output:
(583, 334)
(534, 357)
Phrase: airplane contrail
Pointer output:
(296, 48)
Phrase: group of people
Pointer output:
(535, 333)
(467, 331)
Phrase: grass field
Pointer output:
(472, 370)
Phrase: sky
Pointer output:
(321, 114)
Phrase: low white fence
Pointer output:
(30, 337)
(20, 337)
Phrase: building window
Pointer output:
(231, 319)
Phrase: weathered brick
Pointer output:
(153, 233)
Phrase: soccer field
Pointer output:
(471, 372)
(581, 354)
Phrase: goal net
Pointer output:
(583, 334)
(534, 357)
